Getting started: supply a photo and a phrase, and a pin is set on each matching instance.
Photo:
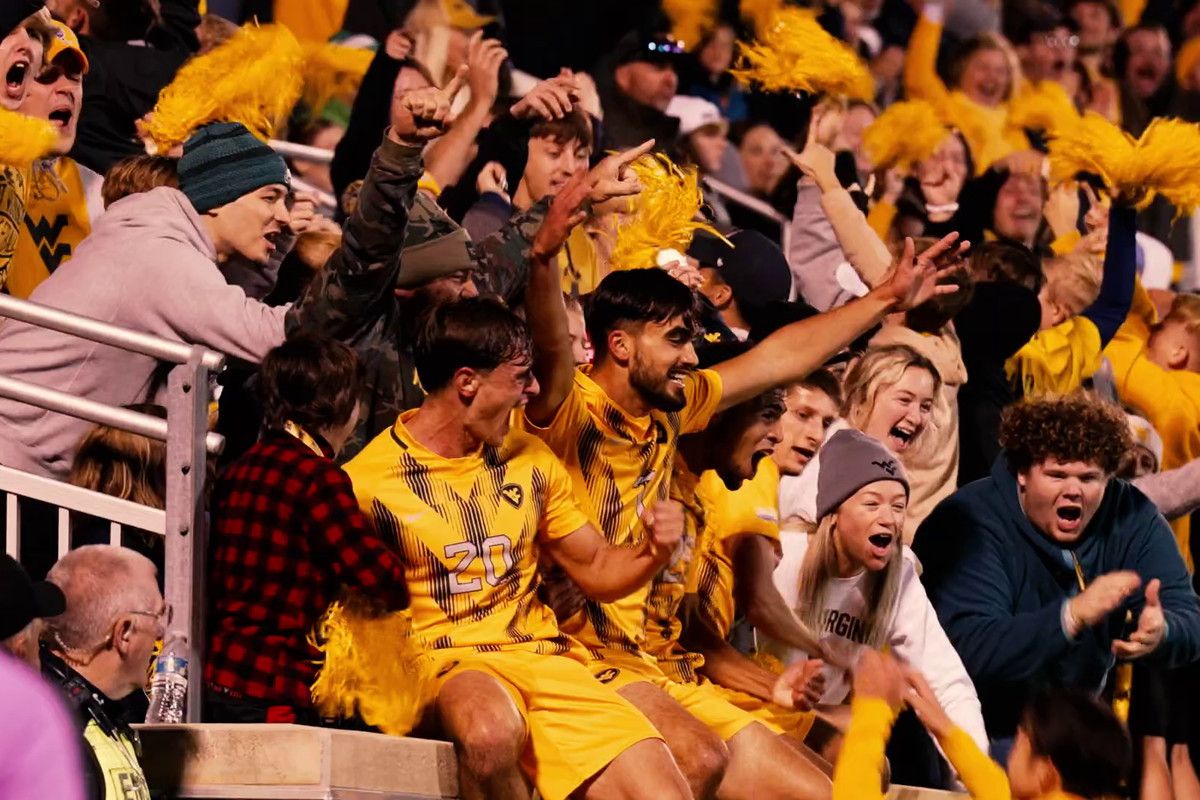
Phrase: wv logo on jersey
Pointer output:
(513, 494)
(45, 235)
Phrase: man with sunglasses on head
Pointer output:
(98, 651)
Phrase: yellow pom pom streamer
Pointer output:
(254, 78)
(794, 53)
(373, 667)
(663, 215)
(23, 139)
(691, 20)
(1165, 160)
(905, 133)
(1045, 107)
(332, 71)
(759, 13)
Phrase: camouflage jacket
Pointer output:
(354, 300)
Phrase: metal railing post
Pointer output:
(187, 415)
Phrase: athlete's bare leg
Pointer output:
(488, 732)
(644, 770)
(699, 753)
(762, 766)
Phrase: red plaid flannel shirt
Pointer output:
(287, 533)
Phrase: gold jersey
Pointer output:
(620, 464)
(468, 530)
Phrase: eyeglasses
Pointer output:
(164, 618)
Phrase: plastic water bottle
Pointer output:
(168, 690)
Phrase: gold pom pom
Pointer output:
(794, 53)
(332, 71)
(905, 133)
(663, 215)
(24, 139)
(1044, 106)
(254, 78)
(691, 20)
(1164, 160)
(373, 667)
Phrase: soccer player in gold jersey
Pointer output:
(616, 426)
(474, 505)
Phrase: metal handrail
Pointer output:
(302, 152)
(105, 333)
(748, 200)
(78, 499)
(96, 412)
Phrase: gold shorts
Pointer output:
(576, 725)
(702, 699)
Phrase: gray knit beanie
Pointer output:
(223, 161)
(849, 461)
(434, 246)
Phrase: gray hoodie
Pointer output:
(149, 265)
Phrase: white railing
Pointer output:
(188, 443)
(760, 207)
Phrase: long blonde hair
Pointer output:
(879, 368)
(881, 589)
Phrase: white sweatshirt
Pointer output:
(915, 635)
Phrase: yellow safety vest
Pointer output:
(119, 767)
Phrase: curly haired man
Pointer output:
(1047, 569)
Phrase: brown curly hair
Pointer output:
(1075, 428)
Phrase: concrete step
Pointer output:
(297, 762)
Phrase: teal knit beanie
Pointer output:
(223, 161)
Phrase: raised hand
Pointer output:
(612, 177)
(398, 45)
(1152, 626)
(664, 523)
(925, 705)
(424, 114)
(550, 99)
(914, 278)
(881, 676)
(493, 178)
(1062, 209)
(302, 215)
(800, 686)
(484, 57)
(565, 212)
(1102, 597)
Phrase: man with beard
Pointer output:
(617, 424)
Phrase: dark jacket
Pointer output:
(998, 586)
(123, 83)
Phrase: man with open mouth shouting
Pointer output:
(1047, 569)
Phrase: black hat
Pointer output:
(755, 268)
(654, 47)
(23, 600)
(14, 12)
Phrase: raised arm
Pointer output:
(792, 352)
(362, 271)
(754, 590)
(1112, 305)
(607, 573)
(921, 80)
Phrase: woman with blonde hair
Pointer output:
(854, 582)
(889, 394)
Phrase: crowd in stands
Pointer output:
(679, 399)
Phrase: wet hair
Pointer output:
(137, 174)
(1083, 739)
(313, 381)
(1007, 261)
(635, 297)
(1075, 428)
(574, 127)
(479, 333)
